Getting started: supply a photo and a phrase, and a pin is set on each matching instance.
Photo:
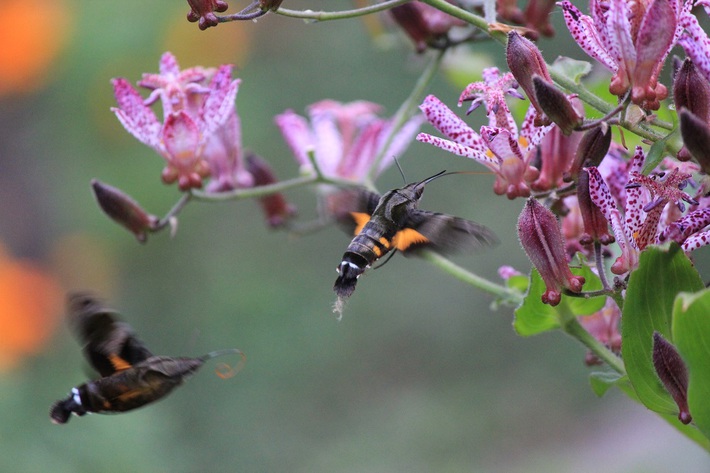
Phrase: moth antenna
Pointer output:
(224, 370)
(401, 171)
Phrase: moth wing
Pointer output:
(352, 208)
(110, 345)
(443, 233)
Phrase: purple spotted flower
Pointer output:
(200, 133)
(632, 40)
(346, 139)
(644, 203)
(498, 146)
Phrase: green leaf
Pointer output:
(518, 282)
(662, 274)
(656, 153)
(602, 381)
(691, 336)
(581, 305)
(571, 68)
(533, 317)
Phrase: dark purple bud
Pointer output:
(272, 5)
(696, 137)
(692, 91)
(596, 227)
(555, 104)
(537, 16)
(672, 372)
(591, 150)
(275, 207)
(525, 61)
(424, 24)
(124, 210)
(542, 240)
(203, 12)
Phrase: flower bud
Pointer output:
(596, 227)
(692, 91)
(696, 137)
(424, 24)
(591, 150)
(124, 210)
(203, 12)
(555, 104)
(537, 16)
(672, 372)
(525, 61)
(540, 235)
(272, 5)
(275, 207)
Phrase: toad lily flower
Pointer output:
(632, 40)
(498, 146)
(200, 134)
(346, 139)
(644, 195)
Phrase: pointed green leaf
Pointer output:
(691, 336)
(534, 317)
(602, 381)
(571, 68)
(652, 288)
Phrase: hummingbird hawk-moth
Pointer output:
(394, 221)
(130, 375)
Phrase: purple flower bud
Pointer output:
(692, 91)
(424, 24)
(591, 150)
(542, 240)
(124, 210)
(696, 137)
(272, 5)
(537, 16)
(203, 12)
(276, 209)
(556, 105)
(525, 61)
(672, 372)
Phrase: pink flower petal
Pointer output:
(136, 118)
(446, 121)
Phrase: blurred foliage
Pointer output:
(419, 376)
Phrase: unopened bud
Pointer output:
(691, 90)
(525, 61)
(672, 372)
(275, 207)
(591, 150)
(556, 105)
(272, 5)
(423, 23)
(542, 240)
(696, 137)
(202, 11)
(124, 210)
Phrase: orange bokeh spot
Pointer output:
(31, 37)
(30, 309)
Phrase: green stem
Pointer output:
(571, 326)
(407, 109)
(468, 277)
(340, 15)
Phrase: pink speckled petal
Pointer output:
(446, 121)
(219, 104)
(696, 43)
(696, 241)
(459, 149)
(138, 119)
(582, 29)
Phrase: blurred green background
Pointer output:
(420, 375)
